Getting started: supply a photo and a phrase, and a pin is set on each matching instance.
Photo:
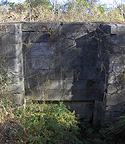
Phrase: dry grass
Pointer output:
(40, 14)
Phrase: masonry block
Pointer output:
(78, 63)
(11, 49)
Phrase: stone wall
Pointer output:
(11, 53)
(115, 95)
(81, 64)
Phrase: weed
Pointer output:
(49, 123)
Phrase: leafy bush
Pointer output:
(52, 123)
(48, 123)
(38, 124)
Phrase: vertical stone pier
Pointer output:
(11, 51)
(115, 97)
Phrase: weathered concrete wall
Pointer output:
(11, 52)
(81, 64)
(115, 95)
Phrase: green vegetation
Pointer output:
(52, 123)
(38, 123)
(114, 133)
(71, 11)
(48, 123)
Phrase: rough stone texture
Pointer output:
(82, 64)
(11, 52)
(76, 62)
(115, 97)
